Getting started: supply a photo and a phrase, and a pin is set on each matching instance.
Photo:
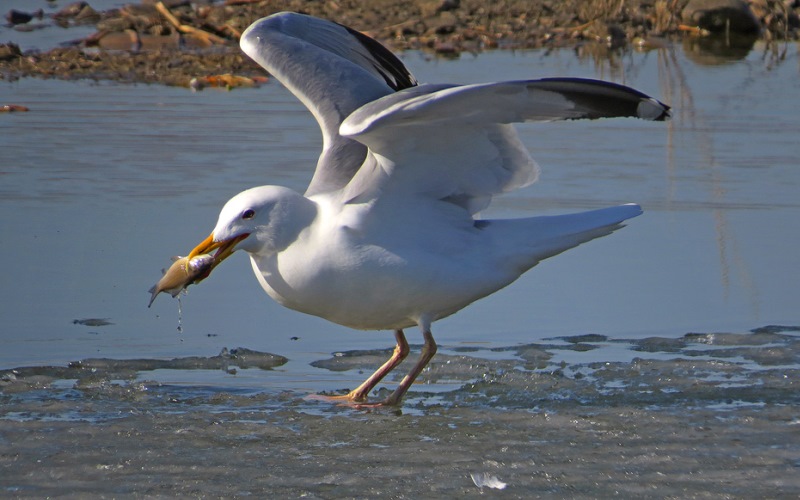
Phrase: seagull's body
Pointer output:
(387, 235)
(378, 266)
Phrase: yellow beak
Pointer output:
(224, 250)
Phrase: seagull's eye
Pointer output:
(248, 214)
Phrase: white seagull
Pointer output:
(386, 236)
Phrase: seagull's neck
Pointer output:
(288, 219)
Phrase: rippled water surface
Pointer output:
(542, 385)
(102, 183)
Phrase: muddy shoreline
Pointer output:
(710, 416)
(177, 42)
(589, 452)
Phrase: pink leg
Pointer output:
(360, 393)
(428, 351)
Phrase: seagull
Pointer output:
(388, 234)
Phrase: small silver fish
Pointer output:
(181, 274)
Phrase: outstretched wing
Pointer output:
(333, 70)
(456, 142)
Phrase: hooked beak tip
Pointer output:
(205, 246)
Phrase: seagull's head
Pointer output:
(261, 221)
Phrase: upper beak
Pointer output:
(224, 250)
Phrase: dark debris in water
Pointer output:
(776, 329)
(696, 369)
(93, 372)
(350, 360)
(580, 339)
(92, 322)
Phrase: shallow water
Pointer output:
(103, 183)
(701, 416)
(577, 380)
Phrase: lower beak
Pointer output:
(224, 249)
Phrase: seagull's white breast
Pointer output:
(371, 276)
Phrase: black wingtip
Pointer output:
(393, 71)
(602, 99)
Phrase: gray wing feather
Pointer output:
(333, 70)
(456, 142)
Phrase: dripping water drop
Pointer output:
(180, 315)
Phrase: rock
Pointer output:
(616, 36)
(13, 108)
(71, 10)
(160, 42)
(118, 40)
(9, 51)
(17, 17)
(429, 8)
(77, 12)
(442, 24)
(87, 15)
(721, 15)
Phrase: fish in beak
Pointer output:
(224, 249)
(181, 273)
(195, 267)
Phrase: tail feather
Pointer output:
(537, 238)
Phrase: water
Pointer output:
(579, 380)
(103, 183)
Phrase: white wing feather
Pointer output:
(456, 142)
(332, 70)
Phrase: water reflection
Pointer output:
(718, 49)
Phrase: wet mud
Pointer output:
(706, 415)
(188, 44)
